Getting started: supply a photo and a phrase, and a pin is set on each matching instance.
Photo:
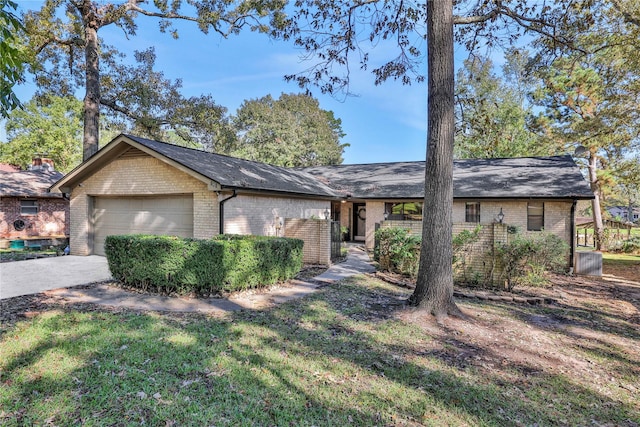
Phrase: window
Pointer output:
(28, 207)
(405, 211)
(472, 212)
(535, 216)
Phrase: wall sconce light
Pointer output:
(327, 213)
(385, 215)
(500, 216)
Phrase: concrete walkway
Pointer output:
(357, 262)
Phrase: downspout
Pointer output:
(573, 236)
(221, 204)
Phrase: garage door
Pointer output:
(170, 215)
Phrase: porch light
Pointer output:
(386, 215)
(327, 213)
(500, 216)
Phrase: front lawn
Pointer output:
(347, 355)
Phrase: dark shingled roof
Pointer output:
(556, 177)
(28, 183)
(529, 177)
(237, 173)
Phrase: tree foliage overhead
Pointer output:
(492, 113)
(289, 131)
(66, 50)
(338, 34)
(11, 58)
(47, 126)
(142, 101)
(591, 97)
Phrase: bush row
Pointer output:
(522, 261)
(226, 263)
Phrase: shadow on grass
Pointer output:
(338, 357)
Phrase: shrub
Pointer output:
(397, 250)
(174, 265)
(463, 242)
(631, 246)
(526, 258)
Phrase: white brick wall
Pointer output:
(257, 214)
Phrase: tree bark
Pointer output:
(92, 95)
(434, 287)
(598, 226)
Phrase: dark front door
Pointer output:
(359, 221)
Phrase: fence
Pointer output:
(336, 240)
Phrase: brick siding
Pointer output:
(52, 218)
(316, 234)
(148, 176)
(478, 265)
(139, 176)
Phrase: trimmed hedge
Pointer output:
(175, 265)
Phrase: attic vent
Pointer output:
(133, 153)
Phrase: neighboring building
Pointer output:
(27, 209)
(622, 213)
(135, 185)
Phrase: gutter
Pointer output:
(572, 252)
(221, 205)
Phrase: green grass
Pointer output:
(335, 358)
(619, 257)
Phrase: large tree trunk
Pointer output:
(434, 287)
(92, 95)
(598, 226)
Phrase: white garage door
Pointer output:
(168, 215)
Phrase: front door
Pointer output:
(359, 221)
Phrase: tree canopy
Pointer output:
(11, 58)
(289, 131)
(390, 38)
(492, 113)
(66, 50)
(48, 126)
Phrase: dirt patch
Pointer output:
(592, 326)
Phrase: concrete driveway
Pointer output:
(37, 275)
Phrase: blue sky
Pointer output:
(382, 123)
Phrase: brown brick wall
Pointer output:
(52, 218)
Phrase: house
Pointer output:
(28, 211)
(135, 185)
(622, 212)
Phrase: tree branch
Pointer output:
(467, 20)
(626, 15)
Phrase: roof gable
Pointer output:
(217, 170)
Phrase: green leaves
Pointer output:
(492, 115)
(11, 58)
(290, 131)
(50, 126)
(174, 265)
